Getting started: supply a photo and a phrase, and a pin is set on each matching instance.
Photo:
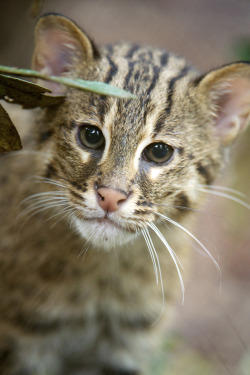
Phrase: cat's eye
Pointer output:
(91, 137)
(158, 152)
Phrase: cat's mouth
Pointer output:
(104, 232)
(108, 221)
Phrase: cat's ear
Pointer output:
(60, 46)
(227, 93)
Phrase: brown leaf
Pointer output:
(36, 8)
(9, 137)
(28, 94)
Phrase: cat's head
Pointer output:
(120, 162)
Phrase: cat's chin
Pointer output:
(103, 233)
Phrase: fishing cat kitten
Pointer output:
(81, 279)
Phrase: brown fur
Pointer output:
(86, 303)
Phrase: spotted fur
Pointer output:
(78, 287)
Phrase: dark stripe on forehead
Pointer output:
(103, 107)
(103, 100)
(160, 122)
(164, 58)
(131, 67)
(171, 88)
(134, 48)
(148, 104)
(156, 72)
(112, 70)
(143, 70)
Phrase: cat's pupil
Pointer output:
(91, 137)
(158, 152)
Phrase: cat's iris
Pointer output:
(91, 137)
(158, 152)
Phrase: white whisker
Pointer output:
(224, 195)
(172, 254)
(217, 187)
(188, 209)
(36, 210)
(145, 234)
(192, 236)
(42, 203)
(71, 217)
(39, 179)
(67, 212)
(68, 208)
(43, 194)
(157, 266)
(84, 251)
(36, 201)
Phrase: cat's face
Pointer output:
(122, 163)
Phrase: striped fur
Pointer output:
(78, 288)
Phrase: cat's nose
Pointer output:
(110, 199)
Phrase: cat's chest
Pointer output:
(96, 285)
(102, 296)
(68, 282)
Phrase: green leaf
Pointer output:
(94, 87)
(9, 137)
(29, 95)
(77, 83)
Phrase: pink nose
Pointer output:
(110, 199)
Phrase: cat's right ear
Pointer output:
(60, 48)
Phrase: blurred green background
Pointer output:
(211, 332)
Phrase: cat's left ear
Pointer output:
(226, 92)
(61, 47)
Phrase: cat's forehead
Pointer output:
(151, 74)
(140, 69)
(146, 72)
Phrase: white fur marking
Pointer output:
(84, 156)
(154, 173)
(139, 150)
